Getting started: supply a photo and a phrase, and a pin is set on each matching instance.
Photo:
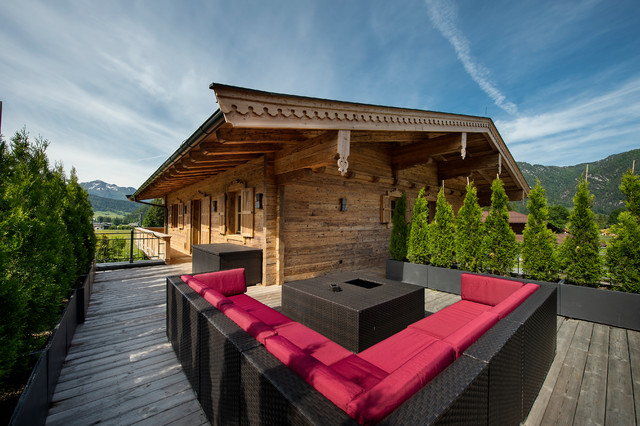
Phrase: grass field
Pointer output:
(115, 246)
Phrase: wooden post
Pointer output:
(586, 176)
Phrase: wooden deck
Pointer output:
(121, 369)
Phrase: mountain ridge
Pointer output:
(107, 190)
(605, 175)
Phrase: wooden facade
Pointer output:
(313, 182)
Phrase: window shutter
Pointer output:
(187, 220)
(180, 215)
(247, 213)
(170, 216)
(222, 225)
(385, 209)
(205, 221)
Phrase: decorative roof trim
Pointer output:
(251, 108)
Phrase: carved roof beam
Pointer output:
(458, 168)
(240, 135)
(417, 153)
(216, 148)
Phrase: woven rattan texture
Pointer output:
(355, 318)
(501, 348)
(273, 394)
(458, 395)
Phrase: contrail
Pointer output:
(443, 14)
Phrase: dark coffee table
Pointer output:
(366, 311)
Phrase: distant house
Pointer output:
(517, 221)
(312, 182)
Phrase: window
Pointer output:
(387, 206)
(235, 211)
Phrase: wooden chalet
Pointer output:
(312, 182)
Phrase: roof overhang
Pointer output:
(251, 123)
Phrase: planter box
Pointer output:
(614, 308)
(410, 273)
(444, 279)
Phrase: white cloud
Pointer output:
(583, 129)
(444, 14)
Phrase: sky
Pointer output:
(116, 86)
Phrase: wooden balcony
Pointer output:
(121, 369)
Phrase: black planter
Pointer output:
(444, 279)
(410, 273)
(615, 308)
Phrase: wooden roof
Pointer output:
(252, 123)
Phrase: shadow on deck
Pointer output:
(121, 369)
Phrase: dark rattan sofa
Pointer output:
(243, 374)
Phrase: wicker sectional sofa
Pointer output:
(481, 360)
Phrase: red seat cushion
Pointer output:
(216, 298)
(328, 382)
(313, 343)
(446, 321)
(507, 306)
(487, 290)
(252, 325)
(466, 335)
(394, 351)
(376, 403)
(359, 371)
(268, 315)
(227, 282)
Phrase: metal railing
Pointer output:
(131, 245)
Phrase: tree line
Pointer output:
(491, 246)
(46, 243)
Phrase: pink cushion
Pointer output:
(466, 335)
(313, 343)
(446, 321)
(228, 282)
(487, 290)
(194, 283)
(376, 403)
(394, 351)
(331, 384)
(252, 325)
(263, 312)
(216, 298)
(359, 371)
(507, 306)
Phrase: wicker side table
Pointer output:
(366, 311)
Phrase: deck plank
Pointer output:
(620, 404)
(634, 358)
(591, 405)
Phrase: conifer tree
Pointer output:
(155, 215)
(400, 230)
(418, 246)
(499, 245)
(442, 234)
(580, 251)
(468, 239)
(77, 215)
(623, 252)
(539, 242)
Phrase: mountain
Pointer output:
(107, 190)
(102, 204)
(604, 179)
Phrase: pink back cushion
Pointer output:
(466, 335)
(216, 298)
(376, 403)
(331, 384)
(252, 325)
(228, 282)
(396, 350)
(194, 283)
(487, 290)
(507, 306)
